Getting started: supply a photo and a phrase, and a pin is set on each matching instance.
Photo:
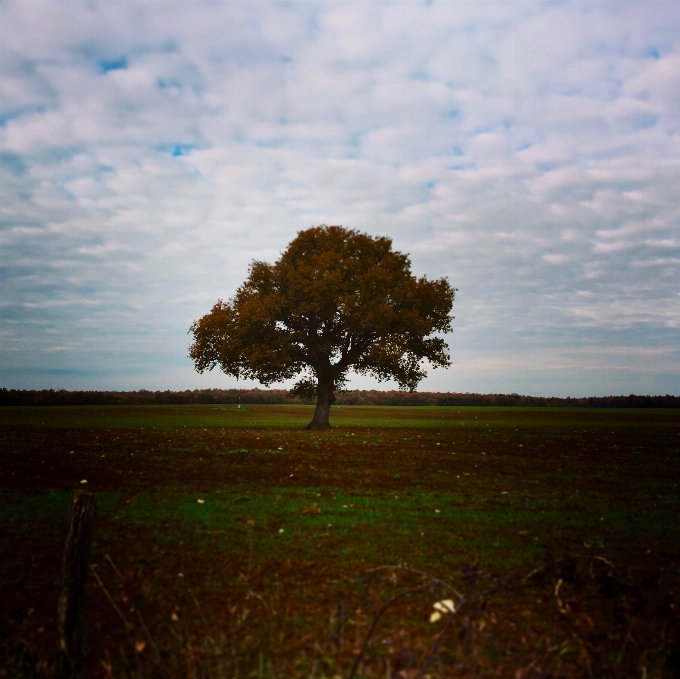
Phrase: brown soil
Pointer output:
(277, 615)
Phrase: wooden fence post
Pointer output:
(71, 611)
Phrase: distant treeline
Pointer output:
(14, 397)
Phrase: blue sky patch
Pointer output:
(12, 114)
(176, 150)
(13, 162)
(106, 65)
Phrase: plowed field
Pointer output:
(232, 542)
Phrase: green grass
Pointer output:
(295, 417)
(52, 505)
(413, 526)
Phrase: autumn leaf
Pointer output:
(444, 606)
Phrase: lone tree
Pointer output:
(337, 300)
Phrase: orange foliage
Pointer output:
(336, 300)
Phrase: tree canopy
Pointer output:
(337, 300)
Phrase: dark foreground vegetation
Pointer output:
(15, 397)
(405, 542)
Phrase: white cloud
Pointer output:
(529, 151)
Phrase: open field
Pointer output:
(236, 540)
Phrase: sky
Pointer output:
(530, 152)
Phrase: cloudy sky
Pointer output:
(150, 150)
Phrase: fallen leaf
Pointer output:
(200, 502)
(445, 606)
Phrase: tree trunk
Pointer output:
(325, 398)
(71, 614)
